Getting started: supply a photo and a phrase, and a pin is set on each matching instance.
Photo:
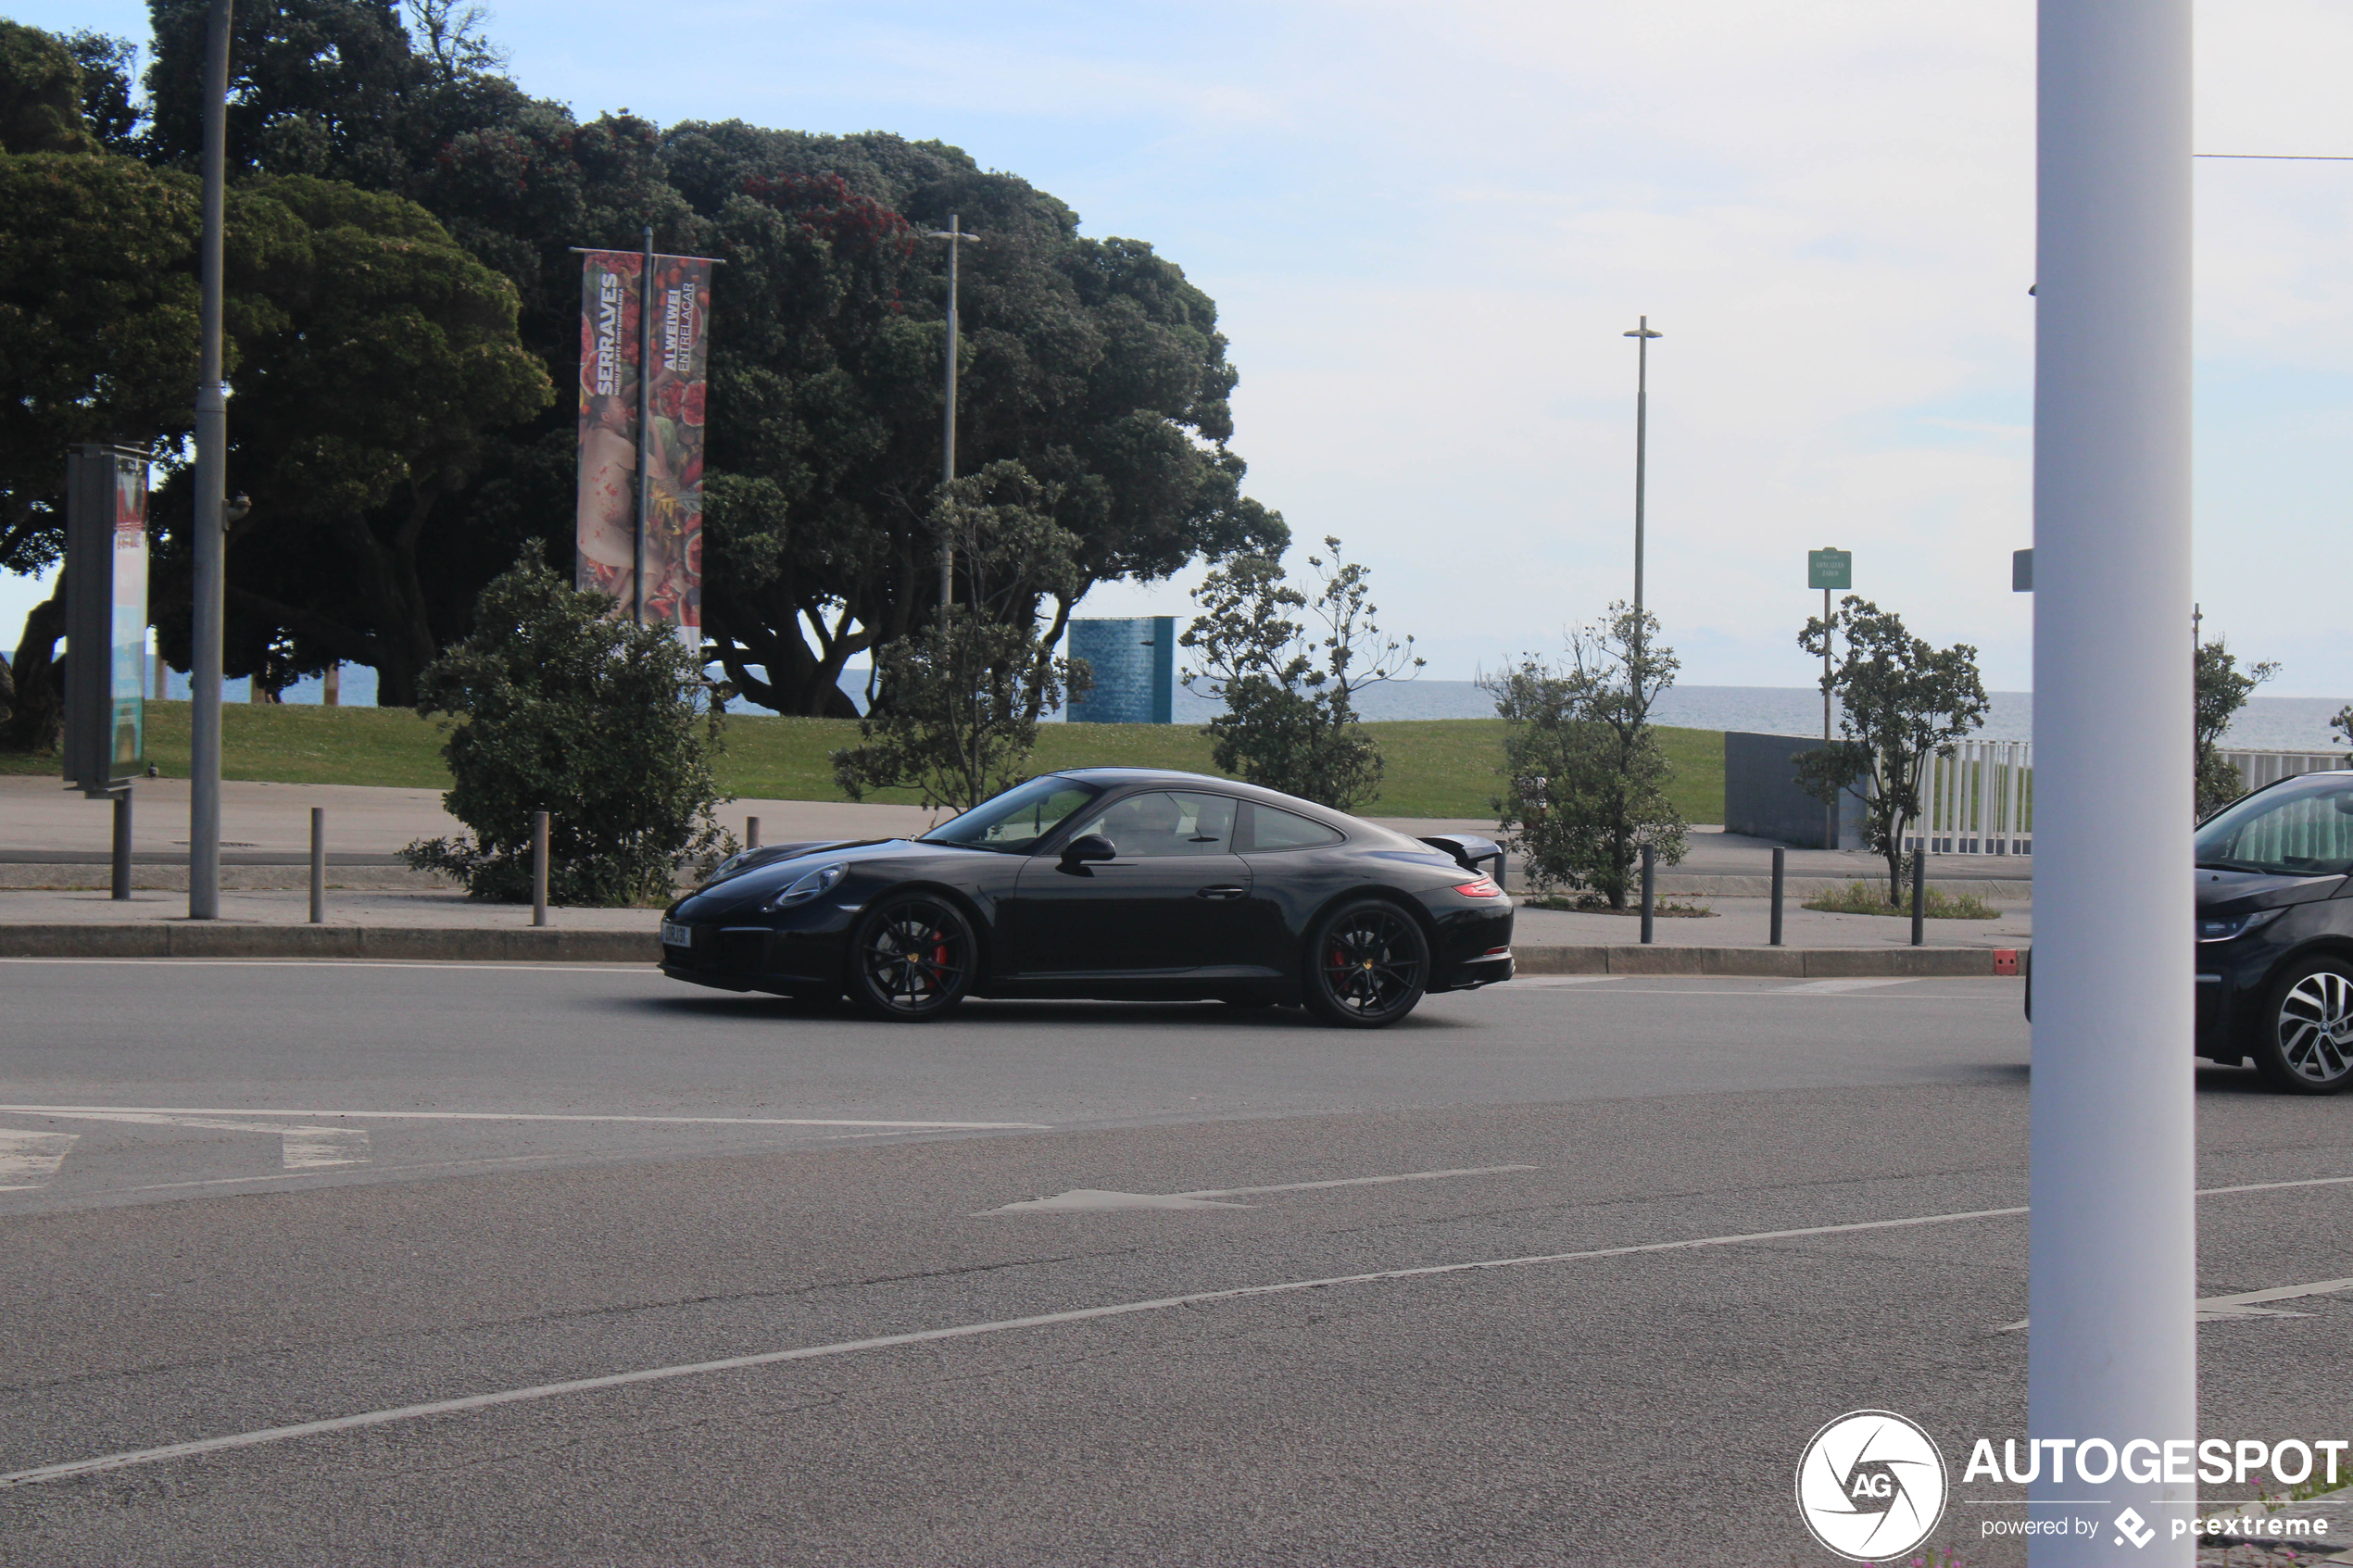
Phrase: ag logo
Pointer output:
(1871, 1486)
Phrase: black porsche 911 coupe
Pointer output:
(1107, 882)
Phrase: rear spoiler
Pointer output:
(1468, 849)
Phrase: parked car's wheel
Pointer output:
(2304, 1037)
(1368, 965)
(912, 958)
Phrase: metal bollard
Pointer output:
(1650, 879)
(318, 865)
(1920, 894)
(122, 857)
(539, 868)
(751, 833)
(1780, 866)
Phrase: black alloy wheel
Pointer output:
(912, 959)
(1367, 965)
(2304, 1037)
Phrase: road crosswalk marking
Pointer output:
(29, 1159)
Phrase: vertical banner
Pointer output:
(681, 300)
(613, 290)
(607, 519)
(126, 664)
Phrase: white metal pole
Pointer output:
(2113, 1350)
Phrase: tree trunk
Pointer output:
(36, 719)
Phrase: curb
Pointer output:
(1786, 964)
(212, 939)
(182, 939)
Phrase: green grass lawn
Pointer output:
(1436, 767)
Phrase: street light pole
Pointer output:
(2112, 1273)
(207, 590)
(1641, 335)
(955, 235)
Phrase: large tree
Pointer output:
(376, 353)
(97, 332)
(1094, 364)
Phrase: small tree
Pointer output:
(602, 725)
(1291, 688)
(1585, 780)
(2219, 689)
(960, 700)
(1901, 700)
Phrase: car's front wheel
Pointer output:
(1368, 965)
(912, 958)
(2304, 1039)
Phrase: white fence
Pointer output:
(1977, 799)
(1979, 795)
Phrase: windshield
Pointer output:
(2295, 830)
(1016, 820)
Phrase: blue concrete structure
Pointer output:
(1134, 664)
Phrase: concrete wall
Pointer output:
(1763, 800)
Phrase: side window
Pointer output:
(1209, 823)
(1167, 823)
(1271, 829)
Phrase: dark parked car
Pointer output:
(1107, 882)
(2276, 933)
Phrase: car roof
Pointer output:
(1171, 776)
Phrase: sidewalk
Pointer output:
(53, 839)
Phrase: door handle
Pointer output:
(1227, 892)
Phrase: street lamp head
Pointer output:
(1644, 331)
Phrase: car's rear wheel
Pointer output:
(912, 958)
(2304, 1039)
(1368, 965)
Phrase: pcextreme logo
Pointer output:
(1870, 1486)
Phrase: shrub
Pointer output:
(1291, 689)
(1586, 779)
(604, 725)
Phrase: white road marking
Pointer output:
(309, 1148)
(300, 1149)
(29, 1159)
(127, 1458)
(1095, 1199)
(2245, 1304)
(127, 1113)
(1358, 1181)
(1836, 987)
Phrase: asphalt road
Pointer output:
(202, 1248)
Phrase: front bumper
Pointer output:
(757, 957)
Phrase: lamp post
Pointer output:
(955, 235)
(207, 590)
(2111, 1283)
(1641, 335)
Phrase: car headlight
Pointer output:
(2227, 928)
(824, 879)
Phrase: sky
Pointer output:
(1428, 228)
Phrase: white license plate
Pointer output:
(676, 936)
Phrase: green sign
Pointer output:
(1829, 569)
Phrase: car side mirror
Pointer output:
(1088, 847)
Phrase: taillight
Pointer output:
(1483, 888)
